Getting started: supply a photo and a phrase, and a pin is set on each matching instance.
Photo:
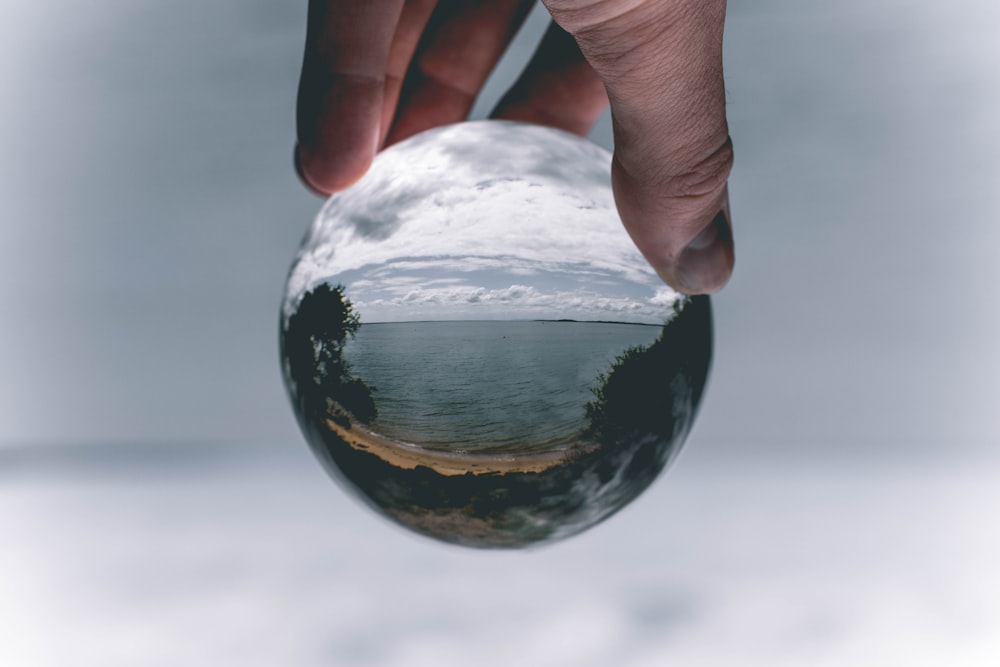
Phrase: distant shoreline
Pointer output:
(559, 321)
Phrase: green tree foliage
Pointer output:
(638, 394)
(632, 398)
(313, 346)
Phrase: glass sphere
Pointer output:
(472, 343)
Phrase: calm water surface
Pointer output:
(473, 384)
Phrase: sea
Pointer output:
(474, 385)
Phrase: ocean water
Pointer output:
(477, 384)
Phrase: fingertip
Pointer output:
(297, 161)
(684, 233)
(338, 159)
(338, 127)
(705, 264)
(341, 89)
(325, 176)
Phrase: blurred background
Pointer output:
(836, 503)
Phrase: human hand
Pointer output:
(378, 71)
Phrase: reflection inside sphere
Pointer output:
(472, 343)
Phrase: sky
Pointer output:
(834, 504)
(470, 222)
(149, 217)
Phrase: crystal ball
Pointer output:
(472, 343)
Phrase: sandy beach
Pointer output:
(408, 456)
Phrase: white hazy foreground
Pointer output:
(242, 555)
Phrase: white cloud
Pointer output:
(519, 200)
(512, 302)
(664, 297)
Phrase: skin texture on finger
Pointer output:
(412, 24)
(558, 88)
(661, 62)
(341, 88)
(463, 42)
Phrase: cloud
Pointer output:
(516, 301)
(664, 296)
(517, 200)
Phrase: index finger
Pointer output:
(341, 89)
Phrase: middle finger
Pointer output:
(463, 42)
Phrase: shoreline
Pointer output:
(409, 456)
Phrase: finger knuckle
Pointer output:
(701, 176)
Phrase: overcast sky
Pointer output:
(483, 220)
(149, 215)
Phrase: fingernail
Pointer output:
(706, 262)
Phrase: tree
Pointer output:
(655, 390)
(312, 347)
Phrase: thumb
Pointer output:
(661, 63)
